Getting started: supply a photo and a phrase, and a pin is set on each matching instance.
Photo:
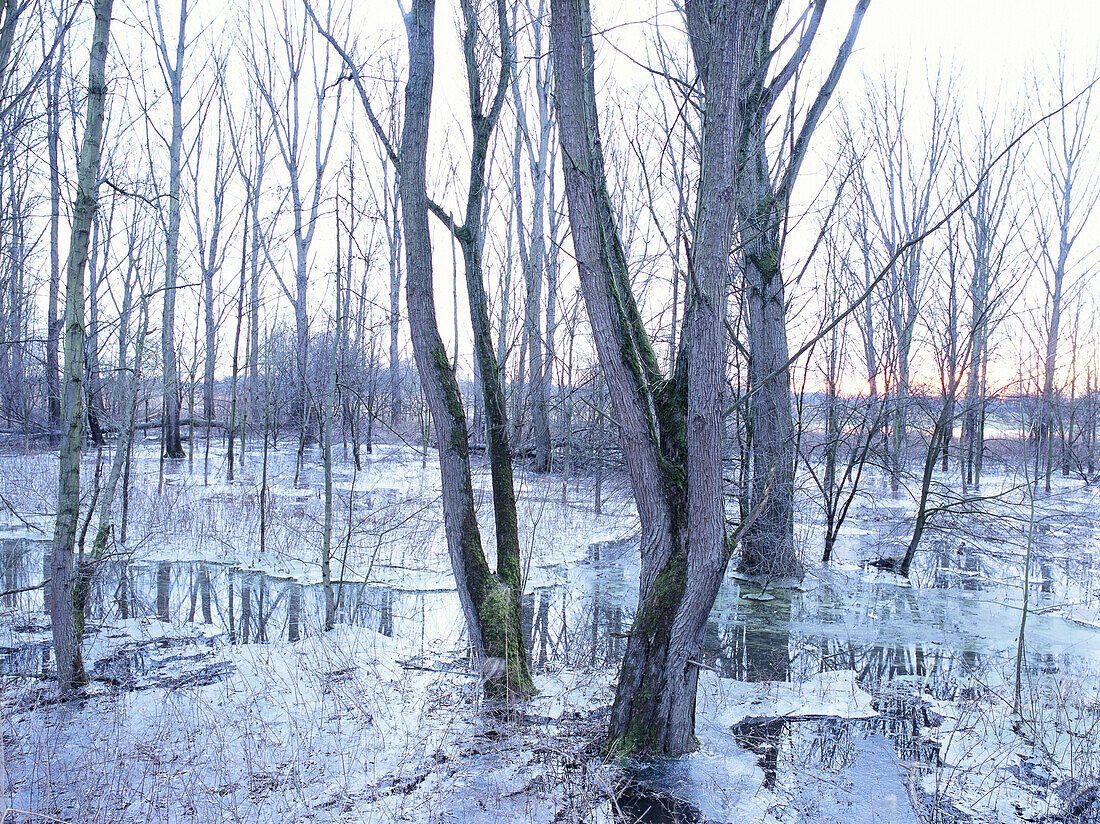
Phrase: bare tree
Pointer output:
(671, 428)
(902, 197)
(66, 640)
(850, 422)
(209, 191)
(261, 137)
(388, 197)
(989, 226)
(1070, 183)
(53, 326)
(305, 145)
(533, 251)
(491, 602)
(250, 167)
(172, 69)
(327, 411)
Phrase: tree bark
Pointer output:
(489, 601)
(173, 443)
(671, 429)
(70, 666)
(53, 142)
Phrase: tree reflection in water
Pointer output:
(761, 652)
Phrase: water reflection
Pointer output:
(761, 652)
(579, 615)
(898, 639)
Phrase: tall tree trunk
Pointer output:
(91, 345)
(236, 350)
(121, 379)
(173, 444)
(671, 432)
(210, 352)
(671, 429)
(256, 392)
(53, 142)
(128, 415)
(303, 403)
(1050, 362)
(1063, 156)
(19, 299)
(489, 601)
(66, 642)
(393, 234)
(768, 547)
(533, 254)
(329, 403)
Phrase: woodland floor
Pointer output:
(854, 696)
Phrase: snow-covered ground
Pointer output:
(858, 696)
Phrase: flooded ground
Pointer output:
(855, 696)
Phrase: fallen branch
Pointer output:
(24, 589)
(24, 521)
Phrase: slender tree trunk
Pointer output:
(173, 444)
(393, 233)
(950, 367)
(53, 142)
(91, 345)
(489, 601)
(937, 443)
(66, 642)
(128, 416)
(552, 274)
(1050, 365)
(832, 444)
(534, 253)
(121, 379)
(267, 430)
(303, 401)
(326, 423)
(126, 489)
(236, 349)
(210, 350)
(255, 390)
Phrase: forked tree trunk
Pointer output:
(70, 666)
(671, 429)
(490, 602)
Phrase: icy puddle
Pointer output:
(855, 697)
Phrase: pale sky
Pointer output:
(995, 49)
